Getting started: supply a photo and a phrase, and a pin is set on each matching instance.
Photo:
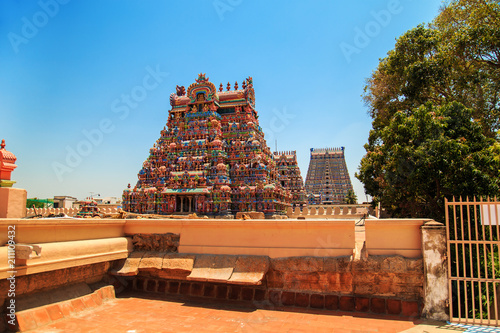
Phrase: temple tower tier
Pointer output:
(211, 158)
(289, 176)
(327, 180)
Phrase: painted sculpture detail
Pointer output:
(211, 158)
(289, 176)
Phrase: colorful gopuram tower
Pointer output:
(289, 176)
(327, 180)
(211, 158)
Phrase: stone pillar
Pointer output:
(182, 204)
(190, 201)
(12, 200)
(435, 271)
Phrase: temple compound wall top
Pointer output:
(211, 158)
(327, 180)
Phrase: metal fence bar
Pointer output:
(471, 267)
(448, 250)
(478, 262)
(462, 226)
(473, 283)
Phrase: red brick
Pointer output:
(346, 303)
(209, 290)
(333, 282)
(317, 301)
(139, 284)
(234, 292)
(88, 302)
(196, 289)
(260, 295)
(77, 305)
(54, 312)
(302, 300)
(377, 305)
(385, 288)
(346, 283)
(97, 298)
(247, 294)
(362, 304)
(275, 297)
(66, 308)
(393, 306)
(274, 279)
(25, 321)
(331, 302)
(305, 281)
(151, 285)
(41, 316)
(364, 278)
(162, 286)
(288, 298)
(221, 292)
(173, 287)
(410, 309)
(185, 288)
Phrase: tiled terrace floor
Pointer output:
(139, 312)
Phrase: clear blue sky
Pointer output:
(67, 67)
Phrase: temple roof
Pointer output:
(7, 162)
(327, 151)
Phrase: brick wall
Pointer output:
(380, 285)
(34, 283)
(376, 276)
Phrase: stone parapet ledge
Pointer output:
(390, 237)
(272, 238)
(36, 318)
(60, 255)
(68, 211)
(49, 230)
(244, 270)
(328, 212)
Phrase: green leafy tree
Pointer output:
(456, 58)
(423, 157)
(351, 198)
(39, 203)
(435, 105)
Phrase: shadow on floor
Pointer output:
(252, 306)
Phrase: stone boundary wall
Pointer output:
(344, 211)
(332, 212)
(304, 255)
(71, 212)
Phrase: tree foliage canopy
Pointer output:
(435, 105)
(351, 198)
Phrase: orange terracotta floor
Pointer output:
(139, 312)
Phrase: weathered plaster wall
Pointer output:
(435, 271)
